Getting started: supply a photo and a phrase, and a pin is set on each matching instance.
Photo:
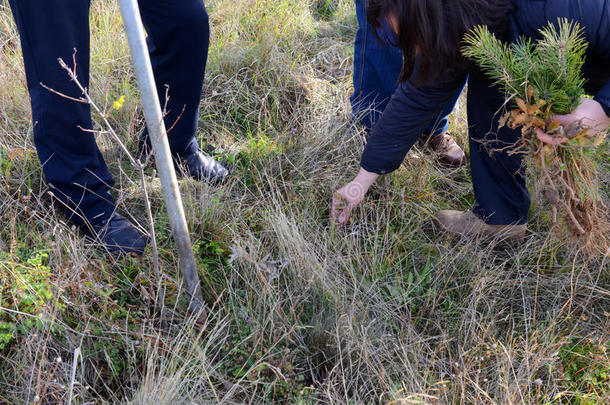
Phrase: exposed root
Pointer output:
(569, 178)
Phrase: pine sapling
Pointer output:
(543, 79)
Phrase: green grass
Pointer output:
(387, 310)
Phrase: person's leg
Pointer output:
(498, 177)
(376, 70)
(440, 142)
(501, 198)
(178, 41)
(71, 161)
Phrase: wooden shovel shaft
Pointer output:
(163, 158)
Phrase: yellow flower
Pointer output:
(119, 103)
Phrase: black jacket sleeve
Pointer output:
(407, 115)
(603, 97)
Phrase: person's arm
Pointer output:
(410, 111)
(407, 115)
(350, 195)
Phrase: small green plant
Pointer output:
(27, 289)
(586, 370)
(546, 72)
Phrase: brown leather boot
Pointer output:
(466, 223)
(447, 150)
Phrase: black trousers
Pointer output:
(178, 40)
(498, 177)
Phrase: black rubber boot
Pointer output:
(116, 234)
(200, 166)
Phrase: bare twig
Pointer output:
(160, 297)
(78, 100)
(111, 131)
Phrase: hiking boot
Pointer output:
(447, 150)
(200, 166)
(466, 223)
(116, 234)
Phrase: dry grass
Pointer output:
(385, 311)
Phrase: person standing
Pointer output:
(178, 40)
(377, 67)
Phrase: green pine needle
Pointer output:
(551, 65)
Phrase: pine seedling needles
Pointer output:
(543, 79)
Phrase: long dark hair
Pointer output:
(430, 31)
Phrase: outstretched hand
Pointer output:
(589, 114)
(349, 196)
(344, 200)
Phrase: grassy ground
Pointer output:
(386, 311)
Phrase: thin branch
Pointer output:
(177, 119)
(78, 100)
(160, 296)
(98, 111)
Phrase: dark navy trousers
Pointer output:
(377, 67)
(178, 39)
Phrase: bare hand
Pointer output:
(344, 200)
(349, 196)
(588, 114)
